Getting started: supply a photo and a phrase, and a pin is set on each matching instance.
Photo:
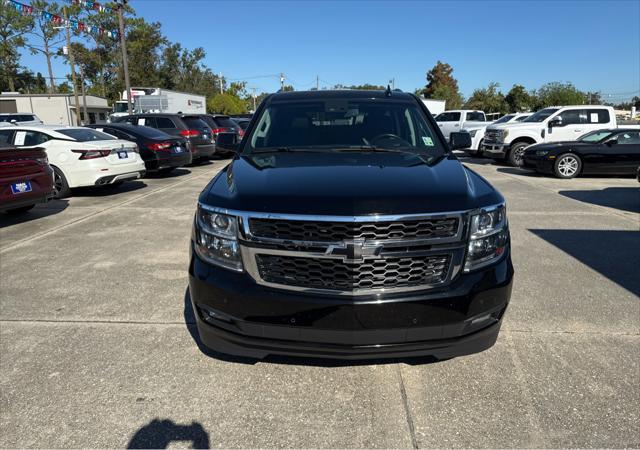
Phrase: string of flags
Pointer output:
(55, 19)
(91, 6)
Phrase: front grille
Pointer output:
(493, 136)
(332, 274)
(320, 231)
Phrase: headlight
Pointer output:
(216, 239)
(473, 133)
(542, 152)
(503, 135)
(488, 238)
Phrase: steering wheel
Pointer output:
(393, 139)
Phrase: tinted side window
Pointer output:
(629, 138)
(32, 138)
(6, 136)
(448, 117)
(598, 116)
(475, 116)
(573, 116)
(164, 122)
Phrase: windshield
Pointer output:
(120, 107)
(342, 124)
(595, 136)
(505, 119)
(86, 134)
(541, 115)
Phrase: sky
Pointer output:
(593, 44)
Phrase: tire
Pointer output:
(515, 156)
(60, 186)
(21, 210)
(567, 166)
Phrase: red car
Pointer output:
(26, 179)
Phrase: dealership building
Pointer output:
(56, 109)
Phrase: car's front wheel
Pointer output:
(516, 154)
(567, 166)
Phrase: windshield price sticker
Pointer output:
(427, 141)
(20, 135)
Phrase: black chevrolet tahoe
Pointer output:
(344, 227)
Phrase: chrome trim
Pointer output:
(250, 245)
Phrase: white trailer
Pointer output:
(435, 107)
(147, 99)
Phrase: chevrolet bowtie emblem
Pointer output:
(354, 251)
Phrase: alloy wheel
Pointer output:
(568, 166)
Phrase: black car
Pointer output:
(614, 152)
(345, 227)
(221, 123)
(242, 123)
(189, 126)
(160, 152)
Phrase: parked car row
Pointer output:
(39, 162)
(565, 141)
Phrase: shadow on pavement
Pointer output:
(190, 322)
(160, 433)
(105, 191)
(615, 254)
(178, 172)
(519, 171)
(43, 210)
(622, 198)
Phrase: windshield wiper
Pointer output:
(373, 148)
(273, 150)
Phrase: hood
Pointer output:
(347, 184)
(560, 145)
(514, 125)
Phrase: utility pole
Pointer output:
(254, 98)
(125, 60)
(67, 26)
(221, 87)
(84, 96)
(281, 81)
(317, 82)
(393, 83)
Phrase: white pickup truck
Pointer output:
(457, 120)
(477, 133)
(557, 123)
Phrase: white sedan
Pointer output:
(79, 156)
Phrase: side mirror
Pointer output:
(556, 122)
(459, 140)
(611, 142)
(227, 142)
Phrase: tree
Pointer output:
(47, 34)
(226, 104)
(593, 98)
(519, 100)
(13, 26)
(489, 100)
(64, 88)
(144, 46)
(287, 88)
(442, 86)
(559, 94)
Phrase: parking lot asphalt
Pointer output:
(97, 346)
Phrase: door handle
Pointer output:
(577, 131)
(456, 125)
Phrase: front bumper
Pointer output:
(234, 315)
(205, 150)
(494, 150)
(538, 163)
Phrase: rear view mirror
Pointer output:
(227, 142)
(459, 140)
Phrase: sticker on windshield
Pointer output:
(594, 117)
(142, 121)
(19, 139)
(427, 141)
